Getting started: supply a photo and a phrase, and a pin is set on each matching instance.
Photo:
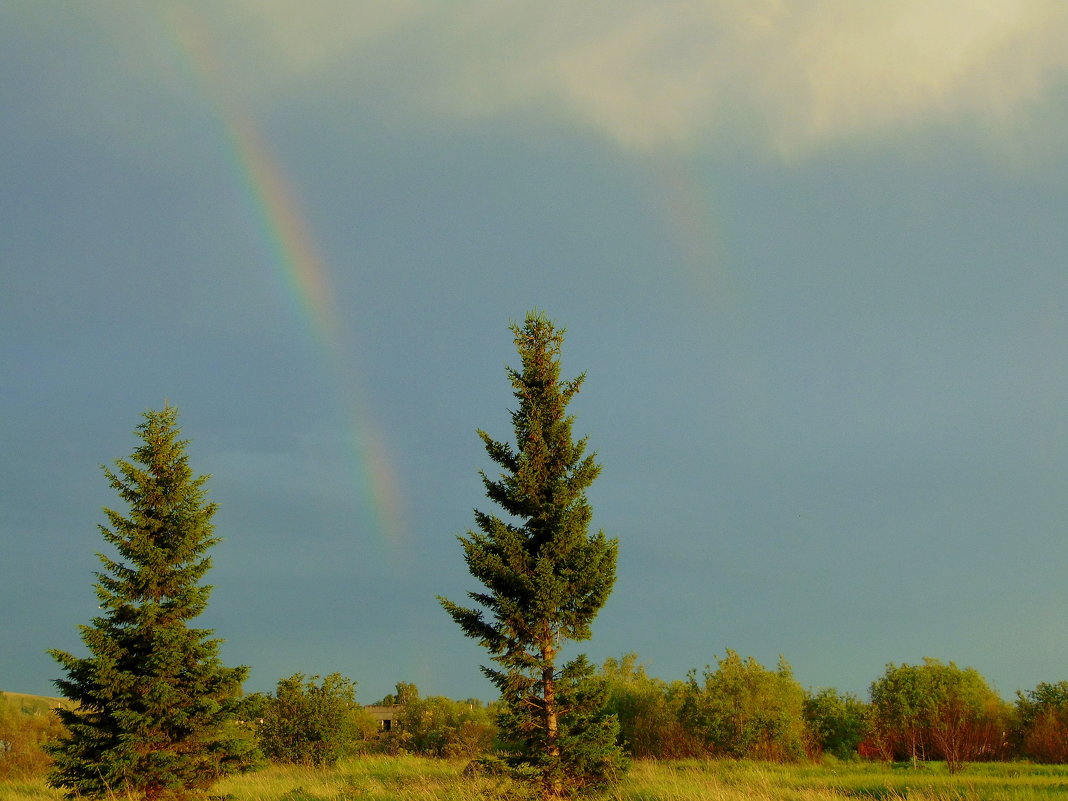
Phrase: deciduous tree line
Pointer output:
(739, 708)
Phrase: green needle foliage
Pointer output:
(545, 580)
(154, 704)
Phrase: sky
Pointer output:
(811, 255)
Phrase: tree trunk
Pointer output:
(551, 784)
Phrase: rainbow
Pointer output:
(285, 232)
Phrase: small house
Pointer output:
(386, 715)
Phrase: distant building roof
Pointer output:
(385, 714)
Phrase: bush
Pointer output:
(649, 711)
(836, 723)
(440, 727)
(938, 710)
(1042, 722)
(743, 711)
(308, 721)
(25, 726)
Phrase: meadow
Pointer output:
(410, 778)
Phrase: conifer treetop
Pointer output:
(544, 576)
(153, 699)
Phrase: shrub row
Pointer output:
(736, 709)
(916, 712)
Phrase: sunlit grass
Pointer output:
(373, 778)
(734, 781)
(27, 790)
(406, 778)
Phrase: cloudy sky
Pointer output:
(812, 256)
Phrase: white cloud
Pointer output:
(788, 77)
(853, 68)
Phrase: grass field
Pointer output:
(33, 703)
(378, 778)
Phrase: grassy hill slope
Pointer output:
(31, 704)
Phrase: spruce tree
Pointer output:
(154, 703)
(545, 580)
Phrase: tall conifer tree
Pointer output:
(153, 699)
(545, 578)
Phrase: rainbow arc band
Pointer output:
(287, 237)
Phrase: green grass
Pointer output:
(372, 778)
(733, 781)
(32, 704)
(381, 778)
